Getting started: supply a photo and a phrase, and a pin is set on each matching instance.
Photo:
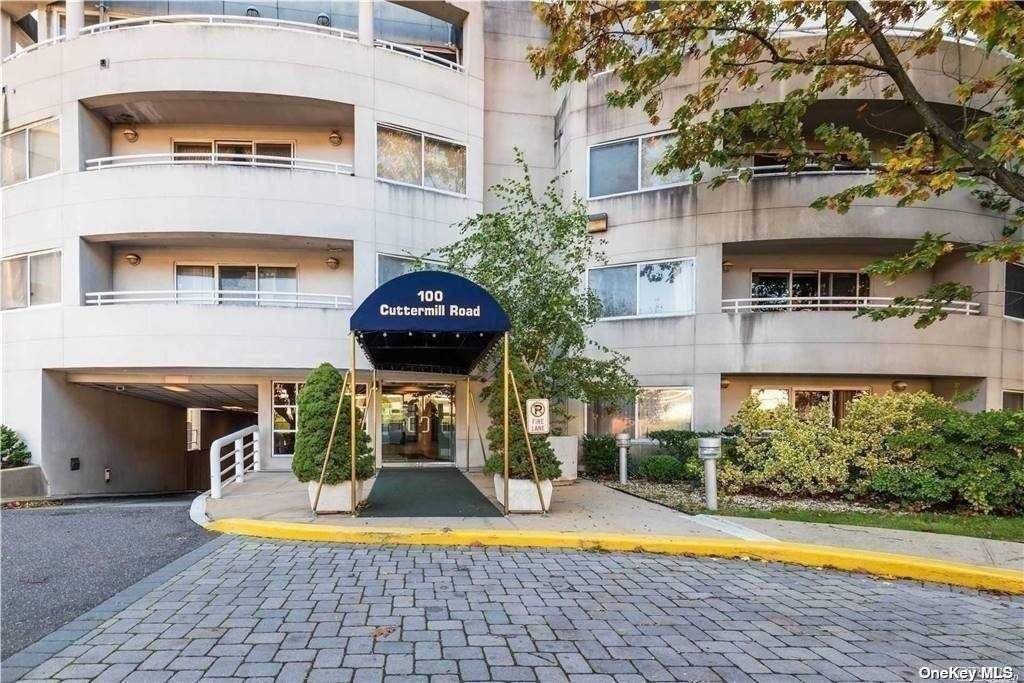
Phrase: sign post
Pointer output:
(538, 416)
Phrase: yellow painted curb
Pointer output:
(890, 565)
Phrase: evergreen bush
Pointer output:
(13, 451)
(317, 403)
(599, 454)
(663, 469)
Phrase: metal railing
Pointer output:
(243, 457)
(774, 170)
(219, 159)
(834, 303)
(221, 20)
(212, 297)
(32, 48)
(418, 53)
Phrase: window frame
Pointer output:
(274, 405)
(639, 166)
(28, 151)
(633, 438)
(636, 268)
(28, 279)
(423, 158)
(213, 142)
(791, 390)
(402, 257)
(217, 300)
(1006, 272)
(790, 272)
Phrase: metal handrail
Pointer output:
(241, 448)
(839, 303)
(416, 52)
(221, 20)
(220, 296)
(219, 159)
(32, 48)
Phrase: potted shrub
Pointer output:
(318, 402)
(522, 490)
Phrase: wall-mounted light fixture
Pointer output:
(726, 265)
(251, 11)
(597, 222)
(899, 386)
(334, 138)
(132, 259)
(726, 383)
(323, 19)
(332, 262)
(129, 132)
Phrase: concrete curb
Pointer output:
(889, 565)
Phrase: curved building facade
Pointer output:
(192, 203)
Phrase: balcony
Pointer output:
(219, 159)
(215, 297)
(835, 303)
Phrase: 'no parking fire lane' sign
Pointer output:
(538, 416)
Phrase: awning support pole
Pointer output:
(476, 421)
(352, 417)
(330, 443)
(529, 443)
(504, 414)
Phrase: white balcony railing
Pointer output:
(220, 20)
(216, 159)
(776, 170)
(220, 296)
(833, 303)
(243, 457)
(418, 53)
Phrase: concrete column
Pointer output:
(53, 18)
(76, 17)
(6, 35)
(364, 152)
(366, 22)
(473, 41)
(708, 277)
(707, 402)
(42, 22)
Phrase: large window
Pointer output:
(286, 417)
(628, 165)
(240, 285)
(235, 151)
(389, 267)
(806, 398)
(644, 289)
(1013, 299)
(30, 280)
(1013, 400)
(826, 289)
(412, 158)
(655, 408)
(30, 152)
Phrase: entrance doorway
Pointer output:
(417, 424)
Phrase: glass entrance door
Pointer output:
(417, 423)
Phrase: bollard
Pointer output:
(623, 441)
(710, 449)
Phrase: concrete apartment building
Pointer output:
(194, 194)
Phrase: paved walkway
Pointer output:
(589, 507)
(240, 608)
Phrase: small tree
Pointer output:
(13, 451)
(532, 255)
(318, 403)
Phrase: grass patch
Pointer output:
(978, 526)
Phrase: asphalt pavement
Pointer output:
(58, 562)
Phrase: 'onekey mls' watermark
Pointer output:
(968, 673)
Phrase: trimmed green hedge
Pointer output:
(599, 455)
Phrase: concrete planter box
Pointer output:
(338, 497)
(567, 450)
(522, 494)
(17, 483)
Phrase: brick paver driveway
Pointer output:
(246, 609)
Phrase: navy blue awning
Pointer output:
(428, 321)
